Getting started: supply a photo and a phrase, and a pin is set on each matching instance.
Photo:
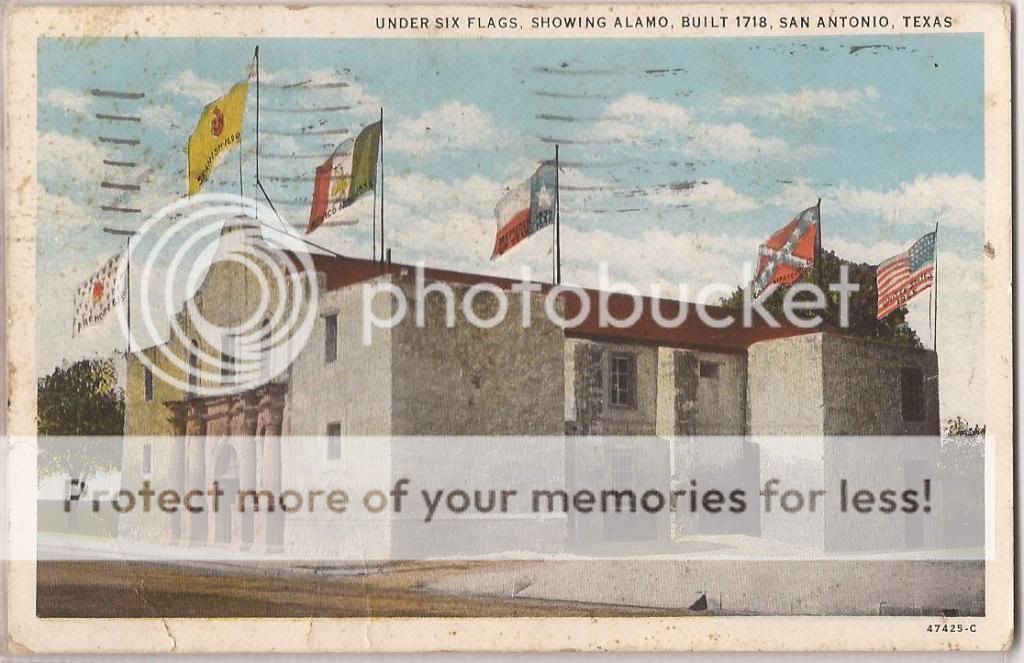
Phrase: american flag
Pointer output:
(905, 275)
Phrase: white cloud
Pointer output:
(432, 194)
(76, 102)
(69, 158)
(571, 177)
(188, 84)
(451, 126)
(738, 142)
(713, 193)
(956, 200)
(62, 212)
(162, 117)
(299, 88)
(657, 257)
(805, 104)
(451, 224)
(358, 96)
(438, 218)
(634, 118)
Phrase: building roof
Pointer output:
(693, 332)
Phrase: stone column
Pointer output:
(195, 431)
(272, 410)
(176, 469)
(272, 463)
(243, 430)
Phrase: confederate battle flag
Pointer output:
(789, 252)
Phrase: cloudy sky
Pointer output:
(679, 156)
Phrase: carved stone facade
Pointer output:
(231, 443)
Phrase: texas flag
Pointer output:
(789, 252)
(525, 209)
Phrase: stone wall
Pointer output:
(837, 385)
(701, 393)
(150, 417)
(673, 399)
(355, 389)
(862, 390)
(784, 386)
(467, 380)
(594, 415)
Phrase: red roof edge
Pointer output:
(692, 332)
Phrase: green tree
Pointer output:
(81, 400)
(960, 427)
(863, 304)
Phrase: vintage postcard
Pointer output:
(419, 328)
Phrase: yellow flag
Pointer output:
(219, 129)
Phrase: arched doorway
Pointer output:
(225, 473)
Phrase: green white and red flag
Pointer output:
(347, 174)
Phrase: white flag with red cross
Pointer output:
(99, 294)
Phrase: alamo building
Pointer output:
(643, 380)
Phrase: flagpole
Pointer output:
(935, 289)
(820, 267)
(558, 226)
(241, 188)
(128, 288)
(931, 319)
(375, 214)
(382, 244)
(127, 234)
(554, 250)
(256, 57)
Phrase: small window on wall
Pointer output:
(622, 380)
(709, 370)
(193, 368)
(330, 338)
(266, 351)
(227, 359)
(333, 441)
(147, 383)
(147, 459)
(912, 393)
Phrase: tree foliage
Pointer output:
(82, 400)
(892, 329)
(962, 458)
(960, 427)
